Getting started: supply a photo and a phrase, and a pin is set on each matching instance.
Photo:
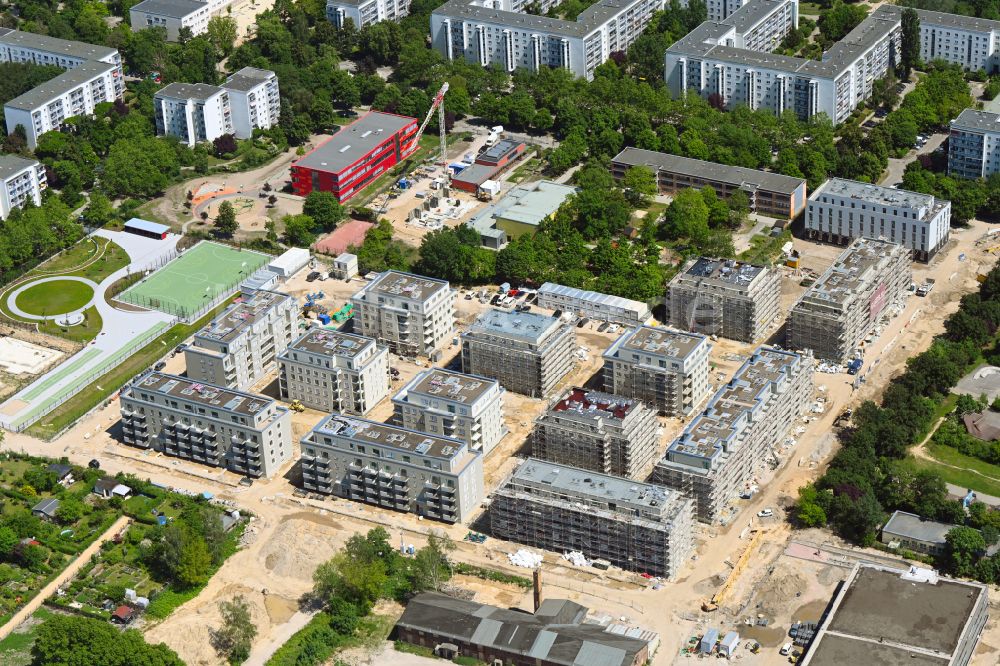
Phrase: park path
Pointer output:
(920, 451)
(12, 297)
(67, 573)
(279, 636)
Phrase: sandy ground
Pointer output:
(18, 357)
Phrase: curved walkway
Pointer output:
(12, 298)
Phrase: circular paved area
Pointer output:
(12, 297)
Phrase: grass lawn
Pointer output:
(85, 332)
(529, 168)
(809, 8)
(765, 249)
(15, 650)
(965, 477)
(109, 383)
(113, 259)
(52, 298)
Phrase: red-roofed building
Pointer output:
(358, 154)
(123, 615)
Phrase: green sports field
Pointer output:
(195, 279)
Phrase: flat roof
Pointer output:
(499, 150)
(586, 482)
(12, 164)
(241, 316)
(223, 399)
(912, 526)
(448, 385)
(875, 194)
(146, 225)
(353, 142)
(731, 175)
(595, 404)
(170, 8)
(528, 204)
(247, 79)
(59, 85)
(981, 121)
(405, 285)
(394, 437)
(66, 47)
(658, 341)
(597, 298)
(851, 273)
(327, 342)
(475, 174)
(728, 271)
(525, 326)
(911, 611)
(200, 91)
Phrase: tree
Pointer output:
(687, 217)
(8, 539)
(69, 640)
(225, 144)
(840, 19)
(910, 50)
(639, 183)
(70, 510)
(455, 255)
(430, 568)
(965, 545)
(299, 230)
(222, 32)
(225, 222)
(324, 209)
(234, 638)
(99, 210)
(194, 564)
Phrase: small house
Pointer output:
(109, 487)
(123, 615)
(64, 473)
(46, 509)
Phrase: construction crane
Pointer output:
(438, 104)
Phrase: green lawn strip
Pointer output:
(114, 258)
(57, 376)
(962, 478)
(73, 258)
(54, 298)
(85, 332)
(110, 382)
(951, 456)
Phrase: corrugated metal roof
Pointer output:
(543, 642)
(595, 654)
(486, 632)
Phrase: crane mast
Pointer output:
(437, 104)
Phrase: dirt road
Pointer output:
(68, 573)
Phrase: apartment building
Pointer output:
(667, 370)
(841, 210)
(768, 193)
(593, 304)
(254, 99)
(21, 180)
(411, 314)
(241, 346)
(636, 526)
(839, 310)
(451, 404)
(968, 41)
(93, 75)
(171, 15)
(194, 112)
(501, 33)
(243, 432)
(334, 372)
(365, 12)
(974, 144)
(392, 467)
(721, 451)
(725, 297)
(527, 353)
(597, 431)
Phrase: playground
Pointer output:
(195, 280)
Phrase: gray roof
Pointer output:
(979, 121)
(589, 20)
(556, 634)
(912, 526)
(47, 506)
(199, 91)
(353, 141)
(55, 45)
(169, 8)
(476, 174)
(525, 326)
(731, 175)
(875, 194)
(247, 79)
(146, 225)
(640, 309)
(71, 78)
(970, 23)
(12, 164)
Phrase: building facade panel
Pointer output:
(410, 314)
(21, 180)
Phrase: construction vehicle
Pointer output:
(719, 598)
(926, 287)
(296, 406)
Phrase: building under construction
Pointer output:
(667, 370)
(527, 353)
(411, 314)
(597, 431)
(636, 526)
(724, 297)
(842, 308)
(718, 455)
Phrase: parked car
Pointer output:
(603, 327)
(159, 366)
(766, 513)
(94, 463)
(312, 277)
(583, 322)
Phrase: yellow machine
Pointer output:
(296, 406)
(741, 563)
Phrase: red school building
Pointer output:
(358, 154)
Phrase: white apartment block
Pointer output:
(666, 369)
(241, 346)
(334, 372)
(171, 15)
(593, 304)
(21, 180)
(254, 99)
(93, 75)
(974, 144)
(721, 452)
(365, 12)
(452, 404)
(392, 467)
(411, 314)
(724, 297)
(497, 32)
(245, 433)
(837, 313)
(730, 59)
(719, 10)
(841, 210)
